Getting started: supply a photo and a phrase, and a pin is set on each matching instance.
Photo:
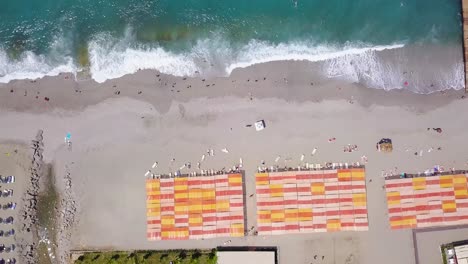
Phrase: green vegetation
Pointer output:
(443, 249)
(150, 257)
(47, 201)
(42, 254)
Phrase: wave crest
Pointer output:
(31, 66)
(216, 57)
(261, 52)
(111, 58)
(114, 59)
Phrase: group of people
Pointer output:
(350, 148)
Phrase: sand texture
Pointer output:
(121, 127)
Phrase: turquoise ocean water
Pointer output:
(181, 37)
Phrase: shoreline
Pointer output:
(289, 81)
(377, 68)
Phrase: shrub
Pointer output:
(197, 254)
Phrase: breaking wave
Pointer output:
(111, 58)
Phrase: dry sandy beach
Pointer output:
(121, 127)
(15, 160)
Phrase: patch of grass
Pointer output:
(444, 257)
(107, 257)
(42, 254)
(442, 250)
(46, 202)
(150, 257)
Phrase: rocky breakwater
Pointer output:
(27, 237)
(68, 208)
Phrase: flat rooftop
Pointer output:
(461, 251)
(429, 201)
(195, 207)
(311, 201)
(462, 254)
(246, 257)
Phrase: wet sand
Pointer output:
(121, 127)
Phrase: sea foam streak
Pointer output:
(214, 56)
(31, 66)
(112, 58)
(260, 52)
(372, 70)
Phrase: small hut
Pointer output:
(385, 145)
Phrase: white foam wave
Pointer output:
(113, 59)
(365, 68)
(31, 66)
(374, 70)
(260, 52)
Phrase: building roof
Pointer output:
(462, 254)
(246, 257)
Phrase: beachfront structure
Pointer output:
(311, 201)
(247, 255)
(426, 201)
(455, 252)
(461, 251)
(195, 207)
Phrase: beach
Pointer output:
(15, 160)
(119, 128)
